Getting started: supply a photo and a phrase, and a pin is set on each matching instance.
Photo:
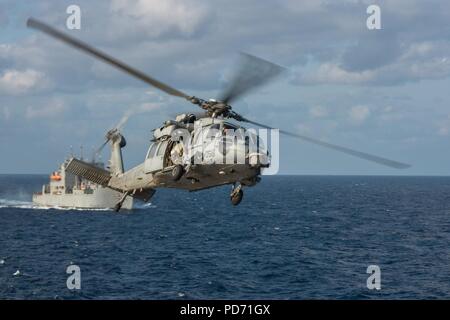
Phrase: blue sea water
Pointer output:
(292, 237)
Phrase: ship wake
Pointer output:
(19, 204)
(8, 203)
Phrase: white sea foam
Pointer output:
(18, 204)
(7, 203)
(144, 206)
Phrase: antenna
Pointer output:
(81, 152)
(94, 155)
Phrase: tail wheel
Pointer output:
(177, 172)
(236, 197)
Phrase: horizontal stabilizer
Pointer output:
(88, 171)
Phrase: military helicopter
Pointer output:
(173, 159)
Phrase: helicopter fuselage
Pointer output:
(208, 151)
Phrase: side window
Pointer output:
(162, 148)
(152, 150)
(229, 126)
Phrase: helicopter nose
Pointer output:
(259, 159)
(240, 152)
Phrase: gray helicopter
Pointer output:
(192, 152)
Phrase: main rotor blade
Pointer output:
(123, 120)
(33, 23)
(252, 72)
(355, 153)
(100, 149)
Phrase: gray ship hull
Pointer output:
(101, 198)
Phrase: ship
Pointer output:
(67, 190)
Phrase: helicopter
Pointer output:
(188, 151)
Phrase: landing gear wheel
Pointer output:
(236, 197)
(177, 172)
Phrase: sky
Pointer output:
(384, 92)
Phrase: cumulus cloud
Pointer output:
(17, 82)
(372, 51)
(188, 43)
(420, 61)
(155, 18)
(331, 73)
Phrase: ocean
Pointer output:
(292, 237)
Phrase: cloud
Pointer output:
(156, 18)
(17, 82)
(373, 50)
(359, 114)
(444, 126)
(420, 61)
(411, 46)
(444, 130)
(331, 73)
(53, 109)
(190, 44)
(318, 111)
(303, 128)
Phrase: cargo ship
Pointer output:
(66, 190)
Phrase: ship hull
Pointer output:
(102, 198)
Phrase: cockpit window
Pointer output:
(162, 148)
(229, 126)
(152, 150)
